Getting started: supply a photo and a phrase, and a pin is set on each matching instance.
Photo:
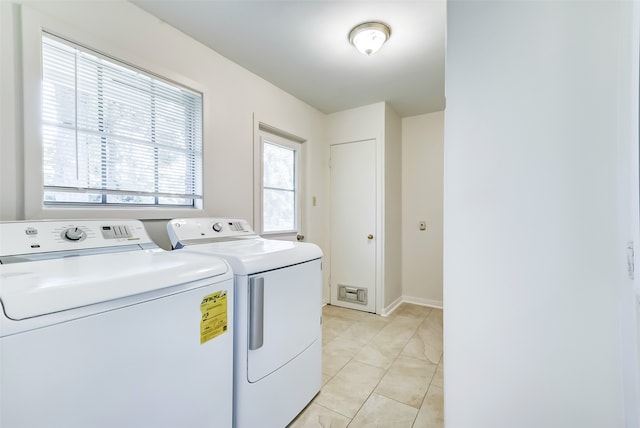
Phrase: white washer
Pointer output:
(101, 328)
(278, 284)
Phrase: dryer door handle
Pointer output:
(256, 313)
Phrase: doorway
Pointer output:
(353, 225)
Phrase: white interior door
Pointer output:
(353, 225)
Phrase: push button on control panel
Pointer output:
(116, 231)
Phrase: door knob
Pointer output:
(370, 236)
(300, 237)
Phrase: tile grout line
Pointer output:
(385, 373)
(351, 321)
(352, 359)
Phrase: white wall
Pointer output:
(531, 252)
(234, 100)
(356, 124)
(629, 203)
(392, 207)
(11, 153)
(381, 123)
(422, 200)
(363, 123)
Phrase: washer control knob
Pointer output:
(217, 227)
(74, 234)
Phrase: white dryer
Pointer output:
(278, 342)
(101, 328)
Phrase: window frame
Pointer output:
(274, 136)
(105, 66)
(34, 26)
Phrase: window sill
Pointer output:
(281, 236)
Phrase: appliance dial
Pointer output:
(74, 234)
(217, 227)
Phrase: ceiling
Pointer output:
(303, 48)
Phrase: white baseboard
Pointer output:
(423, 302)
(406, 299)
(392, 307)
(413, 300)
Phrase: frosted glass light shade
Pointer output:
(369, 37)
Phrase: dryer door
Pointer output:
(285, 306)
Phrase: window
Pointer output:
(280, 184)
(115, 135)
(279, 188)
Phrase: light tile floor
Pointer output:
(379, 371)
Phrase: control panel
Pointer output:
(32, 237)
(191, 229)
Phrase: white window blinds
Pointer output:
(116, 135)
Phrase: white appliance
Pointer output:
(278, 285)
(101, 328)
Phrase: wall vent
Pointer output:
(352, 294)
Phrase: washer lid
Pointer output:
(37, 288)
(249, 256)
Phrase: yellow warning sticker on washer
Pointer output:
(214, 315)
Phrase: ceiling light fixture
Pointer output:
(369, 37)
